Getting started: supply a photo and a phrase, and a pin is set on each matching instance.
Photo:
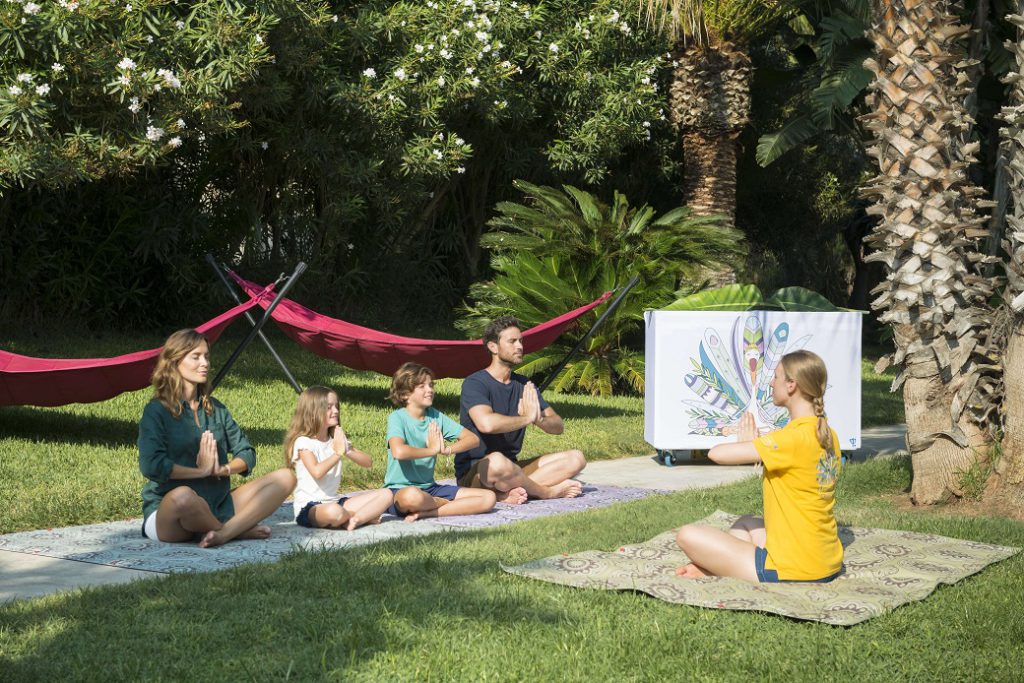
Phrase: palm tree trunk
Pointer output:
(709, 163)
(1007, 481)
(928, 236)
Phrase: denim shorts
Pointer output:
(772, 576)
(302, 519)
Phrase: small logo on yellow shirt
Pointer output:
(828, 472)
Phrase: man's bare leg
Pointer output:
(557, 469)
(498, 473)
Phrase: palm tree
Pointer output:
(1009, 479)
(928, 237)
(709, 98)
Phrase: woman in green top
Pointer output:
(184, 440)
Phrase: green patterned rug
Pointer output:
(884, 569)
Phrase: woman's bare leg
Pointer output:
(254, 501)
(715, 553)
(183, 514)
(750, 528)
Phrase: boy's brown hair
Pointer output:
(407, 378)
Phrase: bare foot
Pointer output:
(412, 517)
(570, 488)
(690, 571)
(212, 539)
(516, 496)
(258, 532)
(355, 522)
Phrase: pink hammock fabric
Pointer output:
(27, 381)
(362, 348)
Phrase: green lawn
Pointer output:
(441, 609)
(78, 463)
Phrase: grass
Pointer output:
(78, 464)
(440, 608)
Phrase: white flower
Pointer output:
(418, 47)
(31, 8)
(57, 67)
(351, 246)
(440, 81)
(24, 78)
(126, 64)
(14, 90)
(42, 89)
(179, 24)
(124, 80)
(264, 145)
(538, 34)
(370, 73)
(153, 133)
(645, 80)
(506, 64)
(149, 39)
(445, 54)
(469, 70)
(259, 39)
(128, 8)
(459, 141)
(460, 169)
(174, 142)
(334, 18)
(614, 18)
(647, 124)
(482, 36)
(475, 82)
(487, 48)
(553, 47)
(430, 47)
(169, 78)
(134, 105)
(437, 153)
(400, 73)
(180, 123)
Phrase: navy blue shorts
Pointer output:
(772, 576)
(446, 491)
(303, 517)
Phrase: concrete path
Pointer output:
(27, 576)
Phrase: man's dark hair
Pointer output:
(492, 333)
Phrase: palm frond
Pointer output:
(794, 133)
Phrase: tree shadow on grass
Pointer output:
(309, 616)
(46, 425)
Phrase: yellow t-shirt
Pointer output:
(799, 491)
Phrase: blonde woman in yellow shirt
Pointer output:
(797, 539)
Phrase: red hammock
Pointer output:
(361, 348)
(27, 381)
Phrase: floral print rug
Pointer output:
(883, 570)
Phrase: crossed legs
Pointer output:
(722, 553)
(549, 476)
(183, 514)
(415, 503)
(356, 511)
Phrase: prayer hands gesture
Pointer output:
(206, 459)
(748, 428)
(435, 440)
(529, 404)
(340, 441)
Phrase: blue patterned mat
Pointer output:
(121, 544)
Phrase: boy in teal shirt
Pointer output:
(417, 434)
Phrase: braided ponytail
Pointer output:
(807, 369)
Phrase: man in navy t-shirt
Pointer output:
(498, 405)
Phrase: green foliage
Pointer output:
(833, 85)
(564, 248)
(366, 139)
(748, 297)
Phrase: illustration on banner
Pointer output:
(733, 376)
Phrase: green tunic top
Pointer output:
(165, 441)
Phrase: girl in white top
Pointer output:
(314, 445)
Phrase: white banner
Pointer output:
(705, 369)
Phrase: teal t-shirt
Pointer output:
(418, 472)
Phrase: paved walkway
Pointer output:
(25, 576)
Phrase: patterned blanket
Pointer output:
(883, 570)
